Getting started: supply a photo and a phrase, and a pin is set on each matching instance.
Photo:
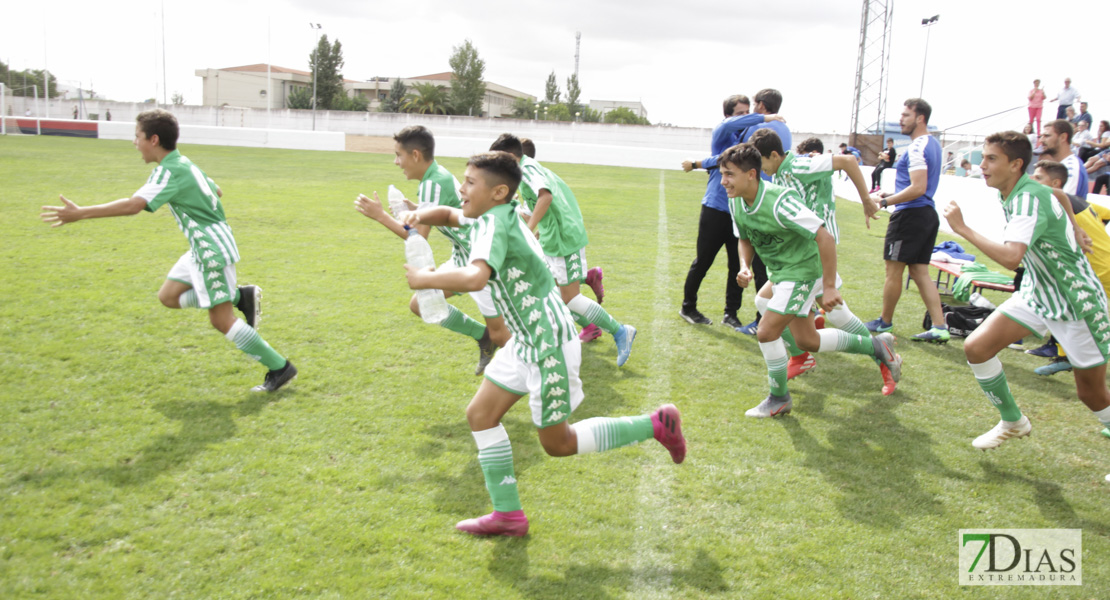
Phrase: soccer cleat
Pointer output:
(250, 304)
(1002, 432)
(666, 426)
(799, 364)
(1058, 364)
(1105, 432)
(884, 351)
(750, 328)
(623, 338)
(589, 333)
(1016, 346)
(1046, 351)
(888, 381)
(771, 407)
(485, 352)
(593, 279)
(693, 317)
(935, 335)
(513, 524)
(730, 320)
(277, 378)
(878, 326)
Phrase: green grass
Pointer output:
(134, 463)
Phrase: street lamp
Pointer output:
(545, 113)
(576, 116)
(928, 25)
(315, 61)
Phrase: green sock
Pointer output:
(992, 379)
(835, 340)
(593, 313)
(791, 346)
(774, 353)
(188, 299)
(598, 434)
(495, 455)
(460, 322)
(248, 340)
(582, 321)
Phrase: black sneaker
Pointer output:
(693, 317)
(1047, 351)
(485, 352)
(730, 320)
(250, 304)
(276, 379)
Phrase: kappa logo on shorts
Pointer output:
(513, 274)
(220, 295)
(798, 298)
(553, 378)
(556, 392)
(213, 275)
(804, 287)
(521, 286)
(208, 254)
(556, 416)
(212, 264)
(557, 403)
(217, 285)
(550, 362)
(529, 301)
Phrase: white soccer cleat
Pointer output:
(1002, 432)
(771, 407)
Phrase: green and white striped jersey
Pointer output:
(196, 207)
(440, 188)
(811, 177)
(562, 230)
(521, 283)
(1059, 283)
(782, 231)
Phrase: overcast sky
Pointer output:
(679, 61)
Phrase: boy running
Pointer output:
(414, 150)
(1060, 293)
(204, 277)
(800, 255)
(562, 235)
(543, 357)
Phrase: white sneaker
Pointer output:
(771, 407)
(1002, 432)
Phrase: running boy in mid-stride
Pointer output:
(543, 356)
(800, 255)
(204, 277)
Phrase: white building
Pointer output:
(604, 106)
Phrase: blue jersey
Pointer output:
(725, 135)
(779, 128)
(923, 153)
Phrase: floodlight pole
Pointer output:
(315, 64)
(928, 24)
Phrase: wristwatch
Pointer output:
(882, 203)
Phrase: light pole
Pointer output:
(315, 62)
(928, 25)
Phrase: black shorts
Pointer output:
(911, 235)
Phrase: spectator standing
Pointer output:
(1036, 104)
(886, 160)
(1066, 97)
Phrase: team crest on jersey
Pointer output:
(513, 274)
(533, 316)
(521, 286)
(551, 362)
(529, 301)
(556, 416)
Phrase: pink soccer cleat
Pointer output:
(799, 364)
(589, 333)
(513, 524)
(593, 279)
(888, 382)
(667, 427)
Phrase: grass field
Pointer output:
(135, 463)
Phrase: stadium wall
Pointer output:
(226, 136)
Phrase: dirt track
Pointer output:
(367, 143)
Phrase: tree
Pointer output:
(356, 103)
(624, 115)
(590, 115)
(523, 108)
(427, 99)
(300, 98)
(573, 93)
(178, 99)
(552, 93)
(396, 97)
(468, 91)
(25, 82)
(328, 72)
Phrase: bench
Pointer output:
(947, 273)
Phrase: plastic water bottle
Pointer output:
(418, 253)
(977, 299)
(396, 201)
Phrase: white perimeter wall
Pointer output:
(226, 136)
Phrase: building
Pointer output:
(498, 103)
(604, 106)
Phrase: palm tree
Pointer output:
(426, 99)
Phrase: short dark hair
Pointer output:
(529, 147)
(502, 167)
(1054, 170)
(1014, 145)
(965, 162)
(919, 107)
(744, 156)
(771, 99)
(417, 137)
(767, 141)
(161, 123)
(1062, 127)
(890, 140)
(813, 144)
(507, 142)
(731, 102)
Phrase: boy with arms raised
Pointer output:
(1060, 293)
(563, 238)
(543, 357)
(800, 255)
(811, 178)
(204, 277)
(414, 149)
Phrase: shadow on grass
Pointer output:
(874, 461)
(510, 565)
(1048, 496)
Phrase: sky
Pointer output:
(679, 59)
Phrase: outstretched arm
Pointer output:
(373, 209)
(440, 216)
(70, 212)
(851, 168)
(470, 278)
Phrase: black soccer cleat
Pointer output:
(693, 316)
(250, 304)
(485, 352)
(277, 378)
(730, 320)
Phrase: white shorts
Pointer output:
(1086, 342)
(797, 297)
(483, 298)
(212, 286)
(568, 269)
(552, 385)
